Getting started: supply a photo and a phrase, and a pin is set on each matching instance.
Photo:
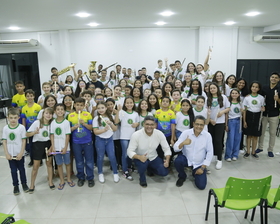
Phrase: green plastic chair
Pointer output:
(6, 218)
(272, 201)
(240, 194)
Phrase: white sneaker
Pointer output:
(116, 178)
(234, 159)
(277, 153)
(101, 178)
(208, 171)
(228, 159)
(219, 165)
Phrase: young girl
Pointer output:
(219, 107)
(123, 83)
(195, 91)
(184, 118)
(153, 103)
(144, 81)
(146, 93)
(50, 101)
(155, 85)
(158, 93)
(169, 78)
(253, 104)
(219, 78)
(179, 85)
(129, 121)
(230, 81)
(117, 96)
(108, 92)
(69, 81)
(137, 95)
(241, 85)
(55, 89)
(40, 130)
(143, 111)
(167, 89)
(206, 87)
(233, 126)
(68, 101)
(67, 90)
(103, 128)
(112, 80)
(201, 110)
(186, 84)
(138, 84)
(81, 86)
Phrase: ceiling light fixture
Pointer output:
(229, 23)
(14, 28)
(93, 24)
(83, 14)
(252, 13)
(160, 23)
(167, 13)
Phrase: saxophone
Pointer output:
(67, 69)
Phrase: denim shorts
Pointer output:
(62, 158)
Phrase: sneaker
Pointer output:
(30, 164)
(234, 158)
(246, 155)
(26, 153)
(25, 188)
(270, 154)
(91, 183)
(180, 182)
(81, 182)
(228, 159)
(277, 153)
(259, 150)
(101, 178)
(208, 171)
(255, 156)
(127, 176)
(116, 178)
(219, 165)
(143, 184)
(16, 190)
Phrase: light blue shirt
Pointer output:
(200, 151)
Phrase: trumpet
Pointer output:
(67, 69)
(163, 75)
(92, 67)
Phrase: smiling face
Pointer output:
(101, 109)
(234, 94)
(168, 88)
(185, 107)
(13, 119)
(29, 97)
(68, 101)
(144, 105)
(255, 88)
(110, 105)
(219, 77)
(136, 92)
(46, 88)
(241, 84)
(152, 100)
(47, 115)
(117, 91)
(67, 90)
(50, 102)
(138, 84)
(213, 89)
(195, 85)
(158, 92)
(188, 77)
(59, 111)
(149, 127)
(129, 104)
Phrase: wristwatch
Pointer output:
(203, 168)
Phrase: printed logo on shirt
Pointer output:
(12, 136)
(103, 123)
(58, 131)
(254, 102)
(45, 134)
(142, 123)
(186, 122)
(214, 103)
(72, 115)
(130, 121)
(236, 110)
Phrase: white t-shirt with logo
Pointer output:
(141, 120)
(254, 103)
(235, 110)
(203, 113)
(215, 109)
(60, 130)
(44, 132)
(182, 122)
(14, 138)
(108, 133)
(127, 119)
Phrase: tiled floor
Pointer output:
(126, 202)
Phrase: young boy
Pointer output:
(127, 90)
(201, 110)
(19, 100)
(60, 136)
(175, 103)
(29, 114)
(81, 127)
(47, 91)
(14, 140)
(87, 95)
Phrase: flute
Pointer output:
(46, 150)
(55, 88)
(4, 157)
(72, 105)
(105, 122)
(275, 102)
(55, 153)
(79, 117)
(260, 121)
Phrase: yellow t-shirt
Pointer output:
(19, 100)
(164, 120)
(177, 107)
(30, 114)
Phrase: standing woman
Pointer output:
(112, 80)
(153, 103)
(191, 69)
(137, 95)
(195, 91)
(186, 84)
(69, 81)
(145, 82)
(155, 85)
(219, 105)
(219, 78)
(81, 86)
(230, 81)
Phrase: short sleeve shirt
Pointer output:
(60, 130)
(44, 132)
(164, 120)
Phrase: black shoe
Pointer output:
(81, 182)
(150, 173)
(143, 184)
(30, 164)
(16, 190)
(180, 182)
(246, 155)
(25, 188)
(91, 183)
(52, 187)
(31, 191)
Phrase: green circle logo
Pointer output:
(142, 123)
(186, 122)
(12, 136)
(58, 131)
(214, 103)
(103, 123)
(130, 121)
(45, 134)
(254, 102)
(236, 110)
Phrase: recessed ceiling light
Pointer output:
(83, 14)
(229, 23)
(14, 28)
(160, 23)
(93, 24)
(167, 13)
(252, 13)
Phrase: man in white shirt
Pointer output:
(143, 149)
(197, 152)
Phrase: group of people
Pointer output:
(146, 122)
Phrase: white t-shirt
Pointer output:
(215, 109)
(107, 134)
(199, 77)
(41, 97)
(203, 113)
(227, 93)
(60, 130)
(44, 132)
(254, 103)
(235, 111)
(127, 119)
(180, 74)
(141, 120)
(182, 122)
(194, 96)
(14, 138)
(186, 91)
(73, 85)
(40, 114)
(161, 70)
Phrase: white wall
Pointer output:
(136, 48)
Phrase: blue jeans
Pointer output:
(177, 133)
(102, 145)
(84, 159)
(18, 165)
(126, 161)
(233, 138)
(200, 180)
(155, 166)
(28, 147)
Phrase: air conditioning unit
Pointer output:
(267, 38)
(19, 43)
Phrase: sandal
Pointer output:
(61, 186)
(31, 191)
(52, 187)
(71, 184)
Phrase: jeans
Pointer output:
(200, 180)
(17, 165)
(84, 159)
(177, 133)
(126, 161)
(155, 166)
(102, 145)
(233, 138)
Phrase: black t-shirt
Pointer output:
(269, 93)
(97, 84)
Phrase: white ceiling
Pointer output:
(39, 15)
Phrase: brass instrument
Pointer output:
(91, 67)
(67, 69)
